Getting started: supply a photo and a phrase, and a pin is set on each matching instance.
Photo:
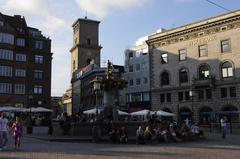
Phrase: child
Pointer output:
(17, 126)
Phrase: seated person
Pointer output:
(173, 134)
(161, 134)
(123, 135)
(139, 135)
(147, 134)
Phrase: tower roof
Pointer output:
(85, 20)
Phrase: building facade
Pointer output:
(137, 75)
(25, 64)
(195, 69)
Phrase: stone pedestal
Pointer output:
(110, 109)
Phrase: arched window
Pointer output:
(165, 78)
(183, 75)
(227, 70)
(203, 72)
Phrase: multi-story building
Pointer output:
(25, 64)
(137, 75)
(195, 69)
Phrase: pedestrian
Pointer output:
(4, 131)
(17, 133)
(1, 145)
(223, 123)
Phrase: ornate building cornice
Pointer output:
(195, 30)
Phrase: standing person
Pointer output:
(1, 134)
(223, 122)
(18, 130)
(4, 130)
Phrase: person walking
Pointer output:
(4, 130)
(17, 133)
(223, 123)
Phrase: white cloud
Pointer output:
(37, 10)
(101, 8)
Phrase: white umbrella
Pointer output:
(141, 112)
(122, 112)
(38, 110)
(10, 109)
(163, 113)
(92, 111)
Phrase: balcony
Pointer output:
(204, 82)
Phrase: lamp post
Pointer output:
(191, 96)
(96, 88)
(29, 122)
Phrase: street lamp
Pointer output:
(191, 96)
(96, 88)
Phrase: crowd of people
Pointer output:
(158, 132)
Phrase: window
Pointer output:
(168, 97)
(202, 50)
(38, 74)
(6, 38)
(130, 68)
(88, 41)
(182, 55)
(39, 45)
(203, 72)
(6, 54)
(20, 73)
(19, 88)
(1, 23)
(164, 79)
(38, 59)
(200, 94)
(232, 91)
(162, 98)
(21, 57)
(5, 88)
(6, 71)
(136, 97)
(130, 55)
(227, 70)
(138, 81)
(180, 96)
(145, 80)
(225, 46)
(35, 33)
(183, 76)
(146, 96)
(187, 95)
(20, 42)
(208, 93)
(223, 92)
(137, 66)
(131, 82)
(164, 58)
(38, 90)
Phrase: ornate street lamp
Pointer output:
(96, 87)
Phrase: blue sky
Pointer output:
(122, 23)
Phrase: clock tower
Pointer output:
(86, 48)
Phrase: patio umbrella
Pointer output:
(10, 109)
(122, 112)
(163, 113)
(141, 112)
(38, 110)
(92, 111)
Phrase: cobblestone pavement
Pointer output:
(212, 148)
